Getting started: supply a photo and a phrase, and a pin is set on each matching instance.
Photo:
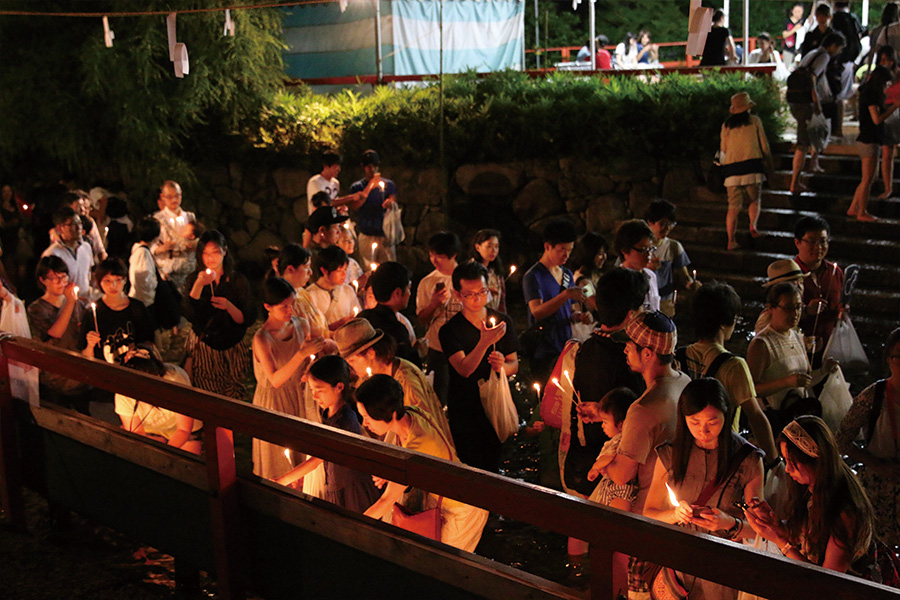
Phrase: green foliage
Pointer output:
(509, 116)
(69, 100)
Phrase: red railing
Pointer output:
(607, 530)
(568, 53)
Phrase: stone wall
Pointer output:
(257, 207)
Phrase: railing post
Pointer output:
(10, 464)
(224, 514)
(602, 587)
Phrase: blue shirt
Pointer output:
(370, 218)
(539, 284)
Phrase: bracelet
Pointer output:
(735, 532)
(786, 548)
(735, 529)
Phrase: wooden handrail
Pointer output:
(606, 529)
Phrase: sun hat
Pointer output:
(355, 336)
(653, 330)
(741, 102)
(783, 270)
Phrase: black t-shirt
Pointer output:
(214, 326)
(133, 320)
(600, 367)
(869, 132)
(714, 49)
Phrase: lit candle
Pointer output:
(287, 454)
(212, 287)
(368, 371)
(568, 377)
(493, 322)
(312, 358)
(24, 207)
(694, 273)
(673, 499)
(555, 382)
(76, 291)
(381, 185)
(94, 308)
(180, 221)
(675, 297)
(374, 266)
(537, 389)
(106, 230)
(374, 248)
(356, 285)
(512, 269)
(355, 310)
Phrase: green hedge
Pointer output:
(508, 116)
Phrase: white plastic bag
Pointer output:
(498, 404)
(23, 378)
(835, 399)
(844, 346)
(392, 226)
(818, 128)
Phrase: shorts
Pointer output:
(738, 193)
(802, 113)
(867, 150)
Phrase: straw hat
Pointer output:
(741, 102)
(783, 270)
(356, 336)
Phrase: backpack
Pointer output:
(714, 366)
(800, 85)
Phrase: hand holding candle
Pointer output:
(212, 287)
(94, 309)
(512, 269)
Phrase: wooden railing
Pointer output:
(607, 530)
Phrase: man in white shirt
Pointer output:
(72, 249)
(327, 182)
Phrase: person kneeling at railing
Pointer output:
(380, 402)
(161, 424)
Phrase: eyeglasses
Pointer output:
(471, 295)
(73, 224)
(647, 250)
(823, 243)
(790, 307)
(57, 278)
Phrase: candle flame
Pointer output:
(355, 310)
(374, 246)
(209, 271)
(512, 269)
(355, 285)
(76, 290)
(346, 224)
(287, 453)
(493, 322)
(374, 266)
(24, 207)
(93, 306)
(312, 357)
(381, 185)
(673, 499)
(695, 273)
(106, 229)
(555, 382)
(369, 371)
(537, 387)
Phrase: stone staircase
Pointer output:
(875, 247)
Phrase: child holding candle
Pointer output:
(329, 378)
(613, 408)
(486, 252)
(217, 354)
(281, 355)
(113, 313)
(473, 348)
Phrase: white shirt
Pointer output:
(79, 262)
(142, 274)
(336, 303)
(317, 184)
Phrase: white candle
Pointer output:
(555, 382)
(493, 322)
(76, 291)
(287, 454)
(355, 310)
(374, 266)
(312, 358)
(94, 308)
(374, 248)
(212, 287)
(694, 274)
(356, 285)
(368, 371)
(381, 185)
(512, 269)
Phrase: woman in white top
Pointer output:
(627, 53)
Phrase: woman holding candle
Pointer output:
(216, 351)
(709, 469)
(486, 252)
(281, 355)
(115, 313)
(830, 521)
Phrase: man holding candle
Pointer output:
(374, 195)
(327, 182)
(651, 420)
(475, 341)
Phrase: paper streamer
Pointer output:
(229, 24)
(170, 29)
(182, 67)
(108, 34)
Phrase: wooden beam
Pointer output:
(467, 571)
(172, 462)
(224, 514)
(11, 495)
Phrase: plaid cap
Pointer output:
(653, 330)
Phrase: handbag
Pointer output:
(835, 399)
(392, 226)
(496, 399)
(844, 346)
(428, 522)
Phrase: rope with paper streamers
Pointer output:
(150, 13)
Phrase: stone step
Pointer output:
(833, 164)
(877, 291)
(830, 204)
(830, 183)
(783, 219)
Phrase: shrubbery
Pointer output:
(508, 116)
